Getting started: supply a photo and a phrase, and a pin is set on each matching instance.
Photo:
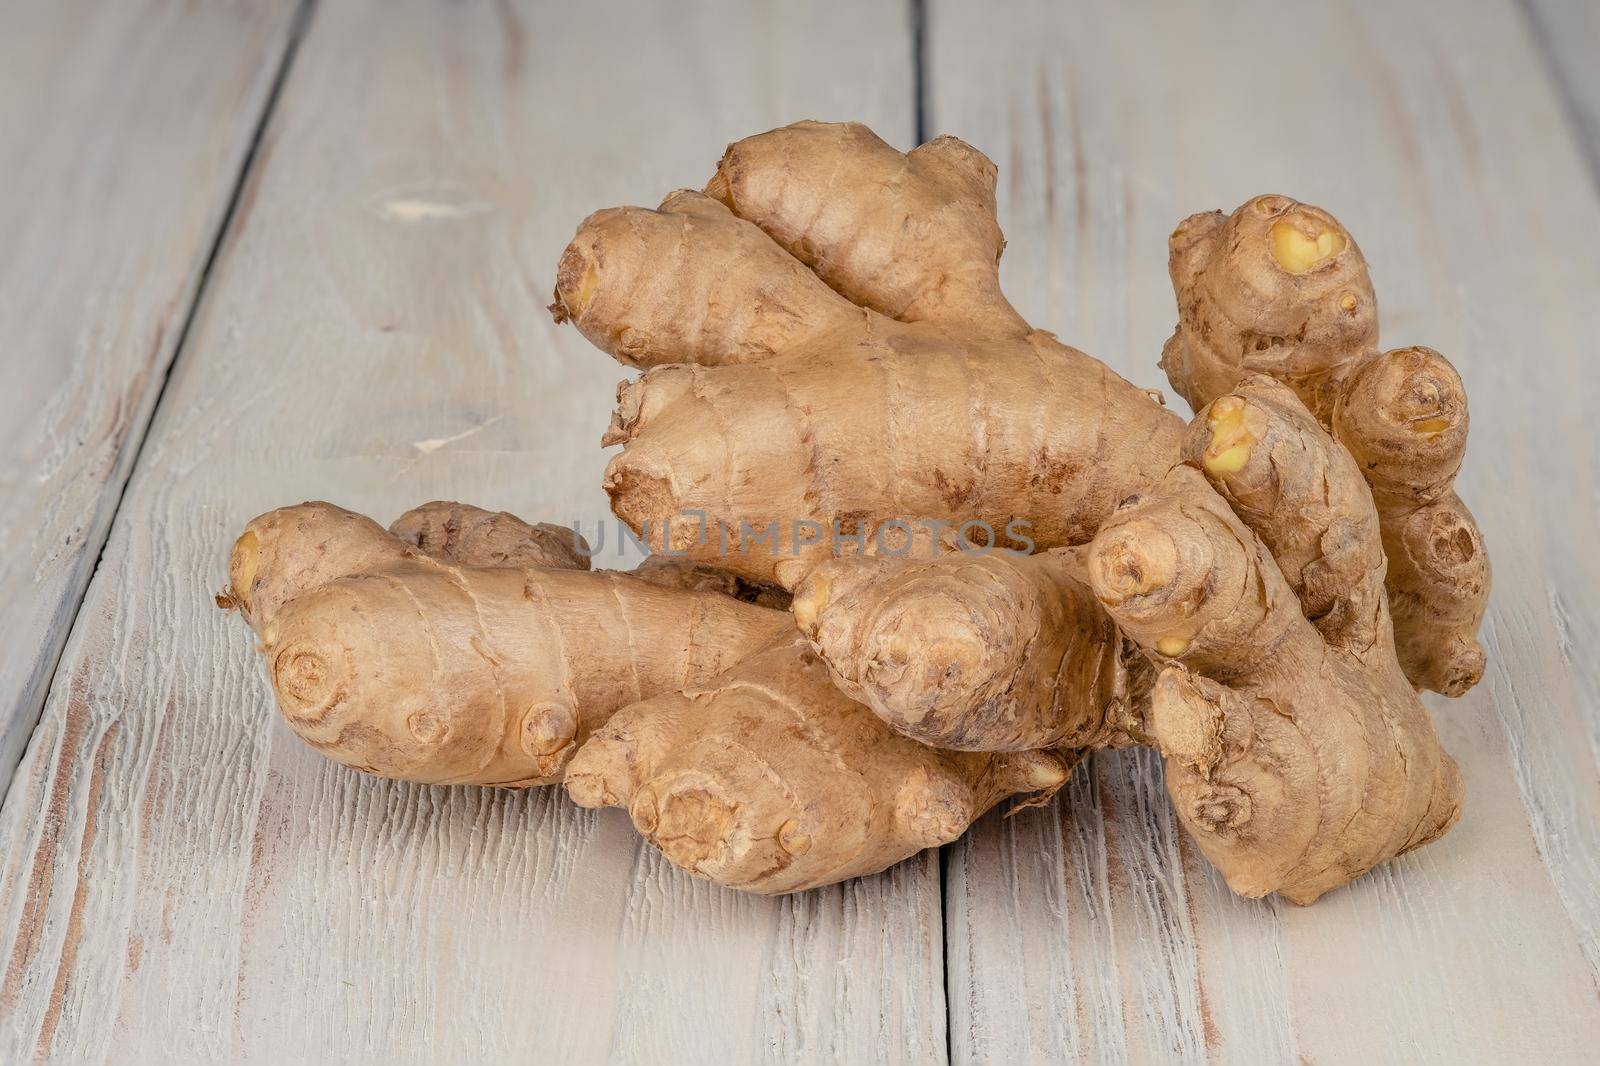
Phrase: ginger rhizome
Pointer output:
(463, 647)
(905, 386)
(769, 779)
(996, 652)
(892, 382)
(824, 346)
(1297, 754)
(418, 654)
(1280, 288)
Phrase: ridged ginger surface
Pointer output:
(834, 395)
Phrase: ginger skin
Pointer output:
(429, 660)
(823, 340)
(676, 573)
(807, 406)
(769, 779)
(996, 652)
(1297, 754)
(466, 647)
(1281, 288)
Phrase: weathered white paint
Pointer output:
(122, 130)
(185, 882)
(1433, 130)
(1568, 33)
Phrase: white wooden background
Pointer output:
(336, 224)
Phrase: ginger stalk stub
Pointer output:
(1403, 417)
(1278, 287)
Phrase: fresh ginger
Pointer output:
(1297, 754)
(464, 647)
(419, 654)
(927, 396)
(1279, 287)
(825, 345)
(996, 652)
(781, 400)
(769, 779)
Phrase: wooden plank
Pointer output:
(122, 130)
(1432, 130)
(1568, 34)
(183, 880)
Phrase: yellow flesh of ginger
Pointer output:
(1300, 252)
(1231, 442)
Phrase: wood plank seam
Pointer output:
(919, 67)
(242, 898)
(918, 11)
(1585, 121)
(1466, 185)
(36, 692)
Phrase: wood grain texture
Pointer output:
(122, 129)
(183, 881)
(1568, 33)
(1434, 132)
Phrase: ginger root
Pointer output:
(919, 393)
(975, 653)
(828, 399)
(782, 402)
(1000, 554)
(1279, 287)
(463, 647)
(769, 779)
(1297, 754)
(420, 654)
